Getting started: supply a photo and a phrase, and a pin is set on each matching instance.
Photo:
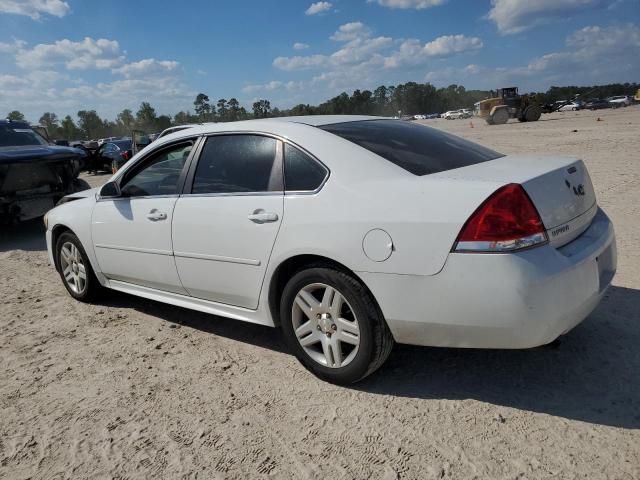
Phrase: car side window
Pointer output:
(301, 172)
(159, 174)
(238, 164)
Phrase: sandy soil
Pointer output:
(129, 388)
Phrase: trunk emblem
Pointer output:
(578, 191)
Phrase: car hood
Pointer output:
(29, 153)
(84, 193)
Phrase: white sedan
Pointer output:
(349, 233)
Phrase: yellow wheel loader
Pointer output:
(509, 104)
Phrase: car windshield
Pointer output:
(418, 149)
(18, 136)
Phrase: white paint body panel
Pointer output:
(220, 254)
(428, 295)
(130, 247)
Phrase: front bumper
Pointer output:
(511, 300)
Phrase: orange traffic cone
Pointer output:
(599, 119)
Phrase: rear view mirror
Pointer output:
(110, 190)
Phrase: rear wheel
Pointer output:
(74, 268)
(332, 324)
(533, 113)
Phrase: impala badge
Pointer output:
(578, 191)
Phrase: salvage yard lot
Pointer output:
(130, 388)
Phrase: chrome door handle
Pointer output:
(260, 216)
(154, 215)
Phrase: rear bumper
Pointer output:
(516, 300)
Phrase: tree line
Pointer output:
(405, 99)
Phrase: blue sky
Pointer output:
(67, 55)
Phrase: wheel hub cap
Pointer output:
(326, 323)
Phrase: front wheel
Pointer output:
(74, 268)
(333, 325)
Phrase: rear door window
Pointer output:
(301, 172)
(238, 164)
(416, 148)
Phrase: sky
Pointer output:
(68, 55)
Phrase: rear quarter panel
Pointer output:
(423, 215)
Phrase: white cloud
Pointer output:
(300, 63)
(405, 4)
(146, 67)
(87, 54)
(13, 47)
(300, 46)
(351, 31)
(412, 52)
(449, 44)
(35, 8)
(318, 7)
(273, 86)
(513, 16)
(595, 55)
(358, 47)
(51, 80)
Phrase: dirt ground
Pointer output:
(130, 388)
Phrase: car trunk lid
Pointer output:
(560, 189)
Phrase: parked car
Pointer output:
(110, 156)
(619, 101)
(106, 140)
(597, 104)
(281, 222)
(570, 107)
(34, 174)
(452, 115)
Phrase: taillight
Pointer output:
(506, 221)
(124, 155)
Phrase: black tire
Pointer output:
(92, 287)
(376, 341)
(500, 116)
(533, 113)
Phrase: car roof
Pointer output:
(15, 123)
(321, 120)
(273, 125)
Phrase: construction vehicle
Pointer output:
(509, 104)
(637, 96)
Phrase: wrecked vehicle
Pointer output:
(34, 174)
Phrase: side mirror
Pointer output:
(110, 190)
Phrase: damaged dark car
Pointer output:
(34, 174)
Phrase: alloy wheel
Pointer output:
(73, 268)
(325, 325)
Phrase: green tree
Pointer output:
(183, 118)
(146, 117)
(125, 122)
(50, 121)
(202, 107)
(16, 116)
(163, 122)
(90, 124)
(223, 111)
(262, 109)
(68, 129)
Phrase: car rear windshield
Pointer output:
(14, 136)
(418, 149)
